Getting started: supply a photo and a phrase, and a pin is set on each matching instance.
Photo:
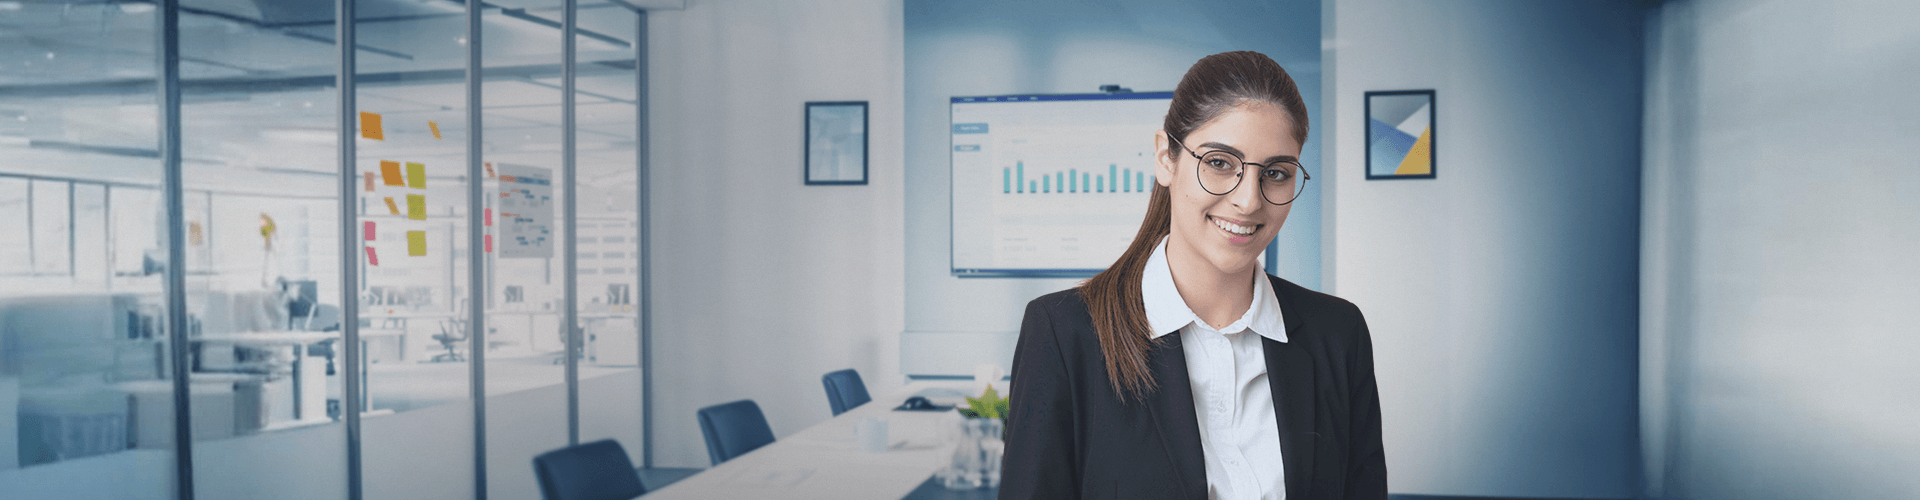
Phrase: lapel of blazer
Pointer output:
(1171, 406)
(1290, 377)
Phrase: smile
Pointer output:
(1234, 228)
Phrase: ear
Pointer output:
(1162, 162)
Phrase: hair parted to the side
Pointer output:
(1214, 85)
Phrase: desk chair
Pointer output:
(845, 390)
(592, 471)
(452, 332)
(733, 429)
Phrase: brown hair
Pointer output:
(1214, 85)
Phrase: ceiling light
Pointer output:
(136, 8)
(10, 6)
(49, 56)
(461, 40)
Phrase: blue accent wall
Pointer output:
(1007, 47)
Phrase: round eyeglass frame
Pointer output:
(1241, 176)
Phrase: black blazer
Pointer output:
(1068, 435)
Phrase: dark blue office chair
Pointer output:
(733, 429)
(845, 390)
(593, 471)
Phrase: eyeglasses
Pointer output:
(1220, 173)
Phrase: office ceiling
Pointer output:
(77, 99)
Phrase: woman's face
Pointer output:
(1214, 228)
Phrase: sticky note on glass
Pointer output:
(368, 229)
(417, 207)
(395, 209)
(416, 243)
(370, 126)
(489, 243)
(488, 219)
(369, 181)
(372, 259)
(416, 175)
(390, 173)
(435, 127)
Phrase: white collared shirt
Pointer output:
(1239, 435)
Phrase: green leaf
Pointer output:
(988, 405)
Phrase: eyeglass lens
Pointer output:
(1279, 182)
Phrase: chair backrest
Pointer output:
(733, 429)
(845, 390)
(598, 470)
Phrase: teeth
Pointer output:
(1233, 228)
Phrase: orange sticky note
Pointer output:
(395, 209)
(390, 173)
(417, 207)
(372, 259)
(435, 127)
(416, 243)
(370, 126)
(416, 175)
(489, 169)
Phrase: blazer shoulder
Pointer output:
(1314, 305)
(1063, 304)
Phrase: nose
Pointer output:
(1246, 195)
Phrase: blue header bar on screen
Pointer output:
(1062, 97)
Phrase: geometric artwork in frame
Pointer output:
(836, 149)
(1400, 142)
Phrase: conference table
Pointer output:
(825, 462)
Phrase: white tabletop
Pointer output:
(824, 462)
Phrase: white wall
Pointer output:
(1501, 295)
(1783, 217)
(760, 283)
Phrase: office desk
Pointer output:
(302, 375)
(823, 461)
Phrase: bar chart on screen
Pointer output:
(1049, 185)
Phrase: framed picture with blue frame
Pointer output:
(1400, 135)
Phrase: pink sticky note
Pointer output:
(489, 243)
(489, 218)
(369, 229)
(372, 260)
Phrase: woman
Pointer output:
(1267, 390)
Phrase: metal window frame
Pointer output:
(168, 89)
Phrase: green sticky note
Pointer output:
(417, 243)
(417, 206)
(416, 175)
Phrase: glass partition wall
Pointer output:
(462, 246)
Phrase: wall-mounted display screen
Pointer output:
(1050, 185)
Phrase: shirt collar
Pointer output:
(1167, 312)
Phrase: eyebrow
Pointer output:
(1243, 156)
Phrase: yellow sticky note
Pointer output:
(435, 127)
(391, 207)
(390, 173)
(370, 126)
(416, 243)
(417, 207)
(416, 175)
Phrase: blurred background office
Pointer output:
(1669, 252)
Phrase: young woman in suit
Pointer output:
(1184, 371)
